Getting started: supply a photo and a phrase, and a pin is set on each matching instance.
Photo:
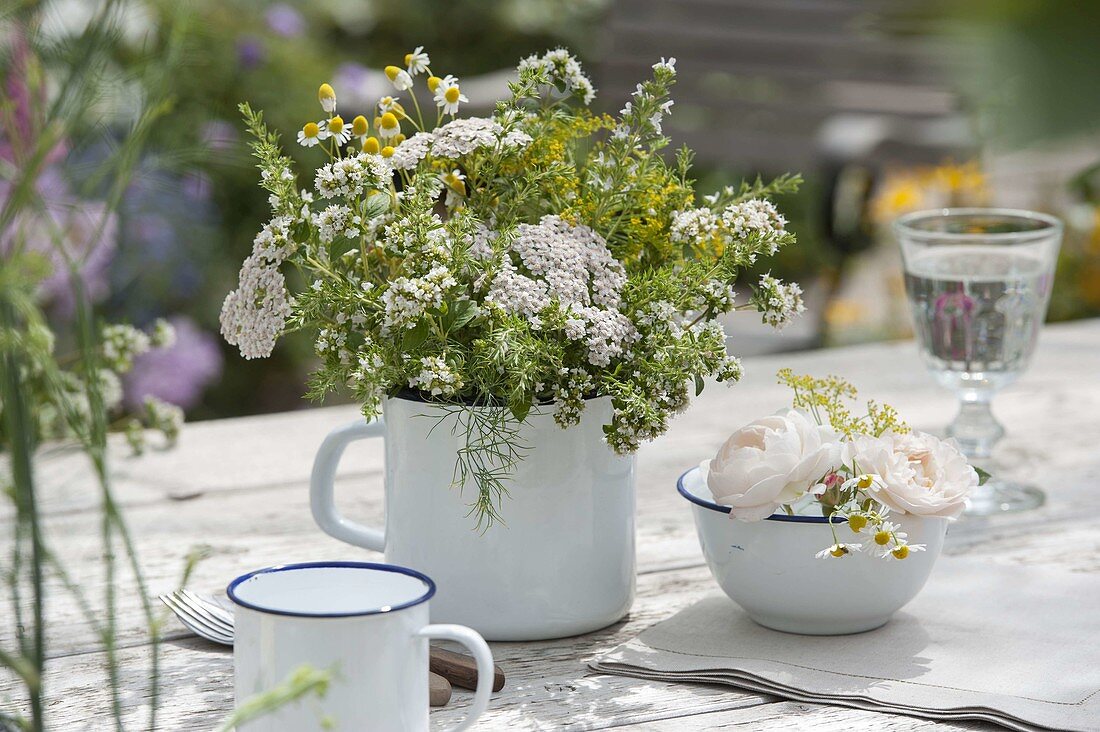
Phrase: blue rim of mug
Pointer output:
(726, 509)
(231, 589)
(1052, 225)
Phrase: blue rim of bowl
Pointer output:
(726, 509)
(231, 589)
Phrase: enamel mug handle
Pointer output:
(485, 669)
(322, 500)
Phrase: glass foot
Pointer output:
(1003, 496)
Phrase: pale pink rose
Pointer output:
(770, 462)
(920, 474)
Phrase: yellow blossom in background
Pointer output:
(433, 82)
(912, 189)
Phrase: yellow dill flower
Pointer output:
(326, 95)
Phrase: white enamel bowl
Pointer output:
(768, 567)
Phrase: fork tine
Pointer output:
(191, 626)
(210, 603)
(199, 609)
(194, 623)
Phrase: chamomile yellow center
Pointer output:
(336, 124)
(392, 72)
(370, 145)
(387, 151)
(901, 552)
(325, 92)
(864, 481)
(310, 129)
(388, 121)
(398, 139)
(408, 59)
(839, 551)
(857, 522)
(451, 95)
(359, 126)
(882, 538)
(433, 82)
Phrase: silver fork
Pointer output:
(202, 615)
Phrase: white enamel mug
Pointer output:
(560, 562)
(364, 623)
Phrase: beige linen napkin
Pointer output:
(1016, 645)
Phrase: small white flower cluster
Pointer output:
(464, 136)
(163, 416)
(718, 295)
(253, 315)
(561, 69)
(407, 298)
(570, 265)
(569, 394)
(121, 344)
(436, 378)
(336, 220)
(410, 152)
(163, 335)
(110, 389)
(660, 315)
(759, 217)
(778, 301)
(351, 176)
(693, 226)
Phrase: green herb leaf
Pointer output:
(983, 476)
(415, 337)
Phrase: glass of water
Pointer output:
(978, 282)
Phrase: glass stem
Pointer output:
(975, 427)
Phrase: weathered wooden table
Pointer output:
(239, 487)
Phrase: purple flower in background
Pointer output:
(178, 374)
(250, 52)
(220, 135)
(196, 186)
(285, 21)
(67, 227)
(358, 86)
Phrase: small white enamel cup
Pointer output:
(364, 623)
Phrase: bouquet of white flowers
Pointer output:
(544, 254)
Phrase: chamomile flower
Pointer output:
(417, 61)
(902, 551)
(433, 83)
(388, 104)
(388, 126)
(887, 532)
(838, 550)
(387, 151)
(371, 145)
(360, 128)
(455, 182)
(309, 135)
(326, 95)
(399, 78)
(448, 95)
(335, 128)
